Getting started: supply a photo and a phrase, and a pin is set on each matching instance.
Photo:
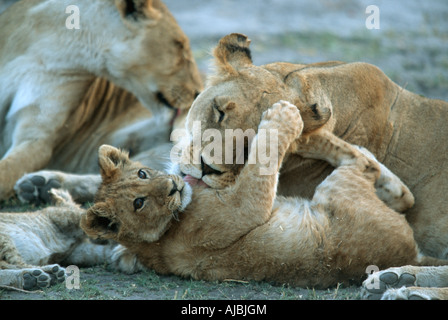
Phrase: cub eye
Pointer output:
(142, 174)
(138, 203)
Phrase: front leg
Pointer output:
(279, 127)
(34, 126)
(248, 203)
(324, 145)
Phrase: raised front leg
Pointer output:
(257, 182)
(248, 203)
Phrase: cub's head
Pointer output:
(134, 203)
(149, 54)
(227, 113)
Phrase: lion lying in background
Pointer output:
(245, 231)
(55, 110)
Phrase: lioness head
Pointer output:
(235, 98)
(134, 203)
(149, 54)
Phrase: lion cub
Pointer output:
(244, 231)
(33, 244)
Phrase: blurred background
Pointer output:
(411, 46)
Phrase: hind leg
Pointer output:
(371, 233)
(32, 278)
(15, 272)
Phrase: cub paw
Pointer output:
(44, 277)
(284, 117)
(389, 188)
(376, 284)
(56, 272)
(125, 261)
(412, 293)
(34, 187)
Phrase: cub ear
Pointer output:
(111, 160)
(134, 10)
(99, 223)
(232, 53)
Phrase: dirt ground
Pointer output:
(411, 47)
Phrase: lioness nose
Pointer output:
(206, 169)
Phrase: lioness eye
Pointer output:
(221, 113)
(142, 174)
(138, 203)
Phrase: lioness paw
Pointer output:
(284, 117)
(34, 187)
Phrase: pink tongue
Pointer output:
(195, 182)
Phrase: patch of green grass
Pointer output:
(14, 205)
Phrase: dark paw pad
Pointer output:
(35, 279)
(374, 287)
(36, 189)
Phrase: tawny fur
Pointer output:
(57, 101)
(403, 130)
(246, 232)
(367, 109)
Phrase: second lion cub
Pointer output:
(244, 231)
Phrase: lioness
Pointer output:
(57, 100)
(244, 231)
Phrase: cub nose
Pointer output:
(175, 188)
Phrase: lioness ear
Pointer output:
(232, 53)
(98, 222)
(134, 10)
(111, 160)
